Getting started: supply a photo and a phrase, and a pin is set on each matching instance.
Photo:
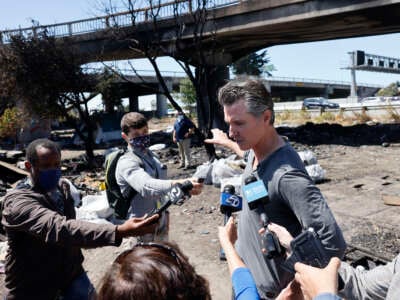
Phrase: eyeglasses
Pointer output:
(167, 249)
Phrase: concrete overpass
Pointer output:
(233, 27)
(133, 85)
(282, 88)
(292, 89)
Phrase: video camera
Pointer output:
(307, 249)
(256, 195)
(177, 195)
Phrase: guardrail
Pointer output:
(163, 11)
(311, 80)
(130, 72)
(297, 106)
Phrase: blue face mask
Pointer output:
(48, 179)
(142, 142)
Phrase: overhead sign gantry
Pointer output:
(370, 62)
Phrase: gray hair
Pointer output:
(256, 97)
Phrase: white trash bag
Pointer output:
(308, 157)
(95, 206)
(204, 171)
(316, 172)
(222, 169)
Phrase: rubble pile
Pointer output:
(356, 135)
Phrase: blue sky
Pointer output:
(317, 60)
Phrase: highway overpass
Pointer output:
(233, 27)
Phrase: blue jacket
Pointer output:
(181, 127)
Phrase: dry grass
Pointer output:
(300, 117)
(339, 117)
(393, 114)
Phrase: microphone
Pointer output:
(229, 203)
(177, 195)
(256, 194)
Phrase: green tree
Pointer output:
(47, 77)
(389, 91)
(255, 64)
(187, 93)
(199, 66)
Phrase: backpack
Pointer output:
(116, 199)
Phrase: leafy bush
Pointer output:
(10, 122)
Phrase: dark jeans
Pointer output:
(81, 288)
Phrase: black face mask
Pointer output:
(48, 179)
(142, 142)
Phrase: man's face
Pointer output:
(48, 159)
(244, 128)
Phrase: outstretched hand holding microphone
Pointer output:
(229, 203)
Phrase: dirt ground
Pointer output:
(357, 176)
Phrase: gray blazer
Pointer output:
(144, 173)
(382, 282)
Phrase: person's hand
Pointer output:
(227, 234)
(137, 226)
(174, 139)
(281, 232)
(291, 292)
(315, 281)
(219, 138)
(197, 186)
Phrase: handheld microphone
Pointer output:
(177, 195)
(256, 195)
(229, 203)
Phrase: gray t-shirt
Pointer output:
(295, 203)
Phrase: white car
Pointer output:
(372, 101)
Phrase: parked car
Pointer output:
(319, 102)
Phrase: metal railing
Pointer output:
(131, 72)
(310, 80)
(163, 11)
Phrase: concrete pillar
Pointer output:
(162, 106)
(133, 103)
(353, 88)
(328, 91)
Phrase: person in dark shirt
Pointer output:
(183, 129)
(44, 259)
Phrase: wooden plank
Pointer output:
(391, 199)
(13, 168)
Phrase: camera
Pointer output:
(307, 249)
